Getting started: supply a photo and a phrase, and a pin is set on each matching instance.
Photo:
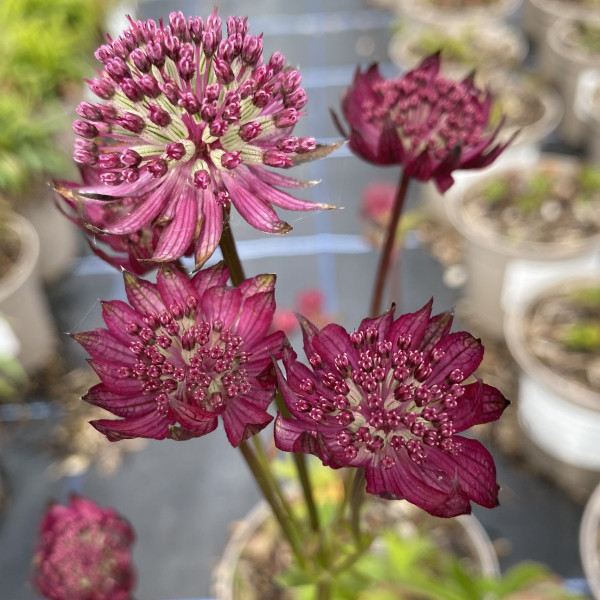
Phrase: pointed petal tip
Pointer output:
(283, 227)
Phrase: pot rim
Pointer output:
(398, 47)
(563, 8)
(588, 85)
(550, 100)
(514, 334)
(224, 571)
(556, 40)
(28, 257)
(542, 251)
(588, 541)
(425, 11)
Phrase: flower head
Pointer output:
(183, 352)
(188, 120)
(423, 121)
(84, 553)
(133, 251)
(390, 398)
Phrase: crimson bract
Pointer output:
(423, 121)
(184, 352)
(390, 398)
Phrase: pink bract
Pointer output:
(132, 252)
(423, 121)
(84, 553)
(188, 121)
(183, 352)
(390, 398)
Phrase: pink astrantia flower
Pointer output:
(184, 352)
(390, 398)
(423, 121)
(84, 553)
(133, 251)
(187, 123)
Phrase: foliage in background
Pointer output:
(45, 49)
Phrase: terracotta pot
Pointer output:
(479, 552)
(589, 542)
(525, 148)
(559, 417)
(567, 62)
(502, 273)
(587, 108)
(23, 301)
(426, 11)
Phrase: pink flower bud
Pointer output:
(89, 111)
(286, 118)
(85, 129)
(276, 158)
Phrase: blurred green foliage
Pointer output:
(46, 49)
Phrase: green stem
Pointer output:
(230, 253)
(323, 590)
(356, 500)
(262, 481)
(273, 483)
(390, 240)
(302, 470)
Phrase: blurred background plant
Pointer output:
(46, 49)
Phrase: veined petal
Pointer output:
(147, 426)
(243, 420)
(174, 287)
(119, 404)
(217, 275)
(179, 233)
(254, 210)
(222, 304)
(101, 344)
(143, 295)
(461, 351)
(118, 315)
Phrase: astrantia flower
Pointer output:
(423, 121)
(133, 251)
(390, 397)
(184, 352)
(84, 553)
(189, 119)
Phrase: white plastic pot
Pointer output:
(566, 63)
(502, 274)
(560, 418)
(23, 302)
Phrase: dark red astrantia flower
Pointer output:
(390, 397)
(84, 553)
(423, 121)
(184, 352)
(188, 121)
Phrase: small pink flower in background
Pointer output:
(188, 121)
(84, 553)
(285, 320)
(184, 352)
(390, 397)
(423, 121)
(377, 200)
(309, 303)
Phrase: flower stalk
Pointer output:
(388, 247)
